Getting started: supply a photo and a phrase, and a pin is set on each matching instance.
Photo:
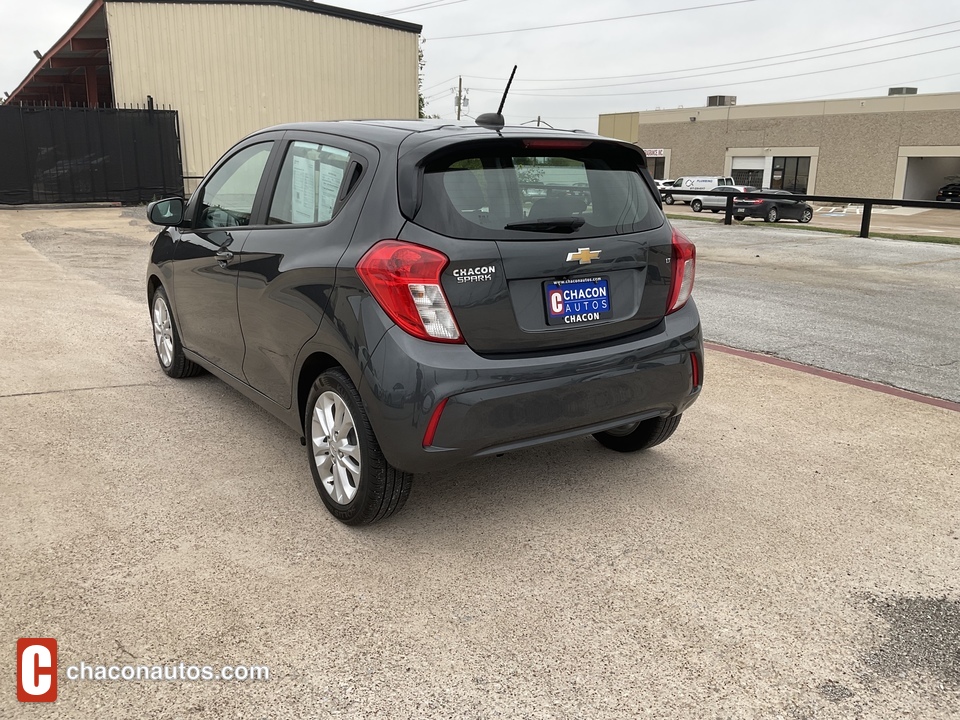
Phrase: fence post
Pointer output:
(728, 213)
(865, 222)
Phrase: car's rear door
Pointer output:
(207, 254)
(588, 263)
(288, 267)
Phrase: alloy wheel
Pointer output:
(336, 448)
(162, 331)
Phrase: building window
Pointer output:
(790, 173)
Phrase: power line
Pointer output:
(738, 62)
(442, 82)
(600, 20)
(744, 69)
(875, 87)
(442, 93)
(734, 83)
(422, 6)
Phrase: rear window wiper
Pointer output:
(557, 225)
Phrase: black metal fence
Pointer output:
(67, 155)
(867, 203)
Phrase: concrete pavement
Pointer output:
(793, 551)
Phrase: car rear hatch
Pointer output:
(553, 242)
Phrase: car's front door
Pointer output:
(207, 255)
(288, 270)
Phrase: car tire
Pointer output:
(356, 483)
(772, 215)
(696, 206)
(639, 436)
(668, 199)
(806, 216)
(166, 339)
(739, 218)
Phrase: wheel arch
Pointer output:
(153, 282)
(310, 370)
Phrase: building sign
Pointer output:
(653, 152)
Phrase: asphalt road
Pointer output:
(884, 310)
(937, 223)
(792, 552)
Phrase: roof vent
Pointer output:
(902, 91)
(721, 100)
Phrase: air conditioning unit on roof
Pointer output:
(721, 100)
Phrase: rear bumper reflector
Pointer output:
(434, 421)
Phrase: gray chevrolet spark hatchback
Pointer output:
(408, 295)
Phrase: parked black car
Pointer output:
(949, 193)
(380, 287)
(772, 210)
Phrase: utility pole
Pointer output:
(459, 96)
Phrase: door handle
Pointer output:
(223, 257)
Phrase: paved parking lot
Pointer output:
(904, 221)
(884, 310)
(793, 552)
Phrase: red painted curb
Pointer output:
(839, 377)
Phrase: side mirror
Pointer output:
(166, 212)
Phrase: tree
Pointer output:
(420, 101)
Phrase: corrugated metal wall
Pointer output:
(233, 69)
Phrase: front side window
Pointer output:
(503, 190)
(228, 196)
(309, 184)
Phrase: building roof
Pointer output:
(330, 10)
(799, 108)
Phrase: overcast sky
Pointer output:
(666, 60)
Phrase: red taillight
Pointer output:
(434, 421)
(748, 201)
(695, 370)
(683, 263)
(405, 279)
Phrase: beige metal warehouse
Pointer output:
(898, 146)
(230, 68)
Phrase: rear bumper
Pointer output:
(499, 404)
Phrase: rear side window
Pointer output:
(309, 184)
(594, 188)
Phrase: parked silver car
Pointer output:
(716, 203)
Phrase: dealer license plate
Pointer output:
(579, 301)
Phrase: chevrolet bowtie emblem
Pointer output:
(584, 255)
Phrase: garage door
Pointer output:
(926, 175)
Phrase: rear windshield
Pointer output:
(589, 189)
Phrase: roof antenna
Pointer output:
(495, 121)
